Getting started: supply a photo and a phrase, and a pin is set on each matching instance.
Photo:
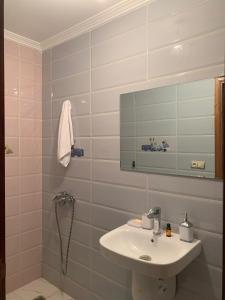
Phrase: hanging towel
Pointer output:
(65, 135)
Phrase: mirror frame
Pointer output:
(218, 125)
(223, 167)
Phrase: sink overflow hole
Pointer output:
(145, 257)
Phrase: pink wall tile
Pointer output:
(31, 165)
(11, 67)
(38, 74)
(30, 274)
(30, 184)
(23, 109)
(31, 146)
(31, 257)
(37, 92)
(31, 239)
(27, 70)
(31, 202)
(12, 226)
(11, 48)
(30, 109)
(11, 127)
(27, 88)
(27, 54)
(13, 265)
(12, 186)
(13, 282)
(11, 166)
(30, 128)
(12, 246)
(11, 107)
(27, 108)
(37, 57)
(12, 206)
(11, 86)
(31, 221)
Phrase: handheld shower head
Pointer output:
(60, 200)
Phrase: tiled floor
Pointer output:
(39, 287)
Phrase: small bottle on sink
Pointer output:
(168, 230)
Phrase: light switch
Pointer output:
(201, 164)
(198, 164)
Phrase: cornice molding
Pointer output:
(21, 40)
(97, 20)
(87, 25)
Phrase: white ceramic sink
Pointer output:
(168, 256)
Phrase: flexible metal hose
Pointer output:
(64, 265)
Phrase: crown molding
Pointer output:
(87, 25)
(22, 40)
(91, 23)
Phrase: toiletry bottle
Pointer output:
(168, 230)
(186, 230)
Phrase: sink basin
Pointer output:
(157, 257)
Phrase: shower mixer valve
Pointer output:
(63, 197)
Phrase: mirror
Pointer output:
(173, 129)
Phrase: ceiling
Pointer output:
(41, 19)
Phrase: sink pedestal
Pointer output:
(148, 288)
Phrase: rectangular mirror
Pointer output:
(173, 129)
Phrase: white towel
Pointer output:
(65, 135)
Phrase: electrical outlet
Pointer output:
(194, 164)
(198, 164)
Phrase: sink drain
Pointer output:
(145, 257)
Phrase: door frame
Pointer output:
(2, 158)
(223, 146)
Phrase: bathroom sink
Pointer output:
(157, 257)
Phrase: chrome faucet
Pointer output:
(155, 214)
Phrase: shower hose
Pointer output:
(61, 200)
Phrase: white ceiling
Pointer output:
(41, 19)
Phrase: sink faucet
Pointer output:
(155, 214)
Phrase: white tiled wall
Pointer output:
(131, 53)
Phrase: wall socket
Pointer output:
(198, 164)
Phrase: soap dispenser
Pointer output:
(186, 230)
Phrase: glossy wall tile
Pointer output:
(159, 44)
(23, 112)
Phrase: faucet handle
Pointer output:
(155, 211)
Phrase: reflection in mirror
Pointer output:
(174, 129)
